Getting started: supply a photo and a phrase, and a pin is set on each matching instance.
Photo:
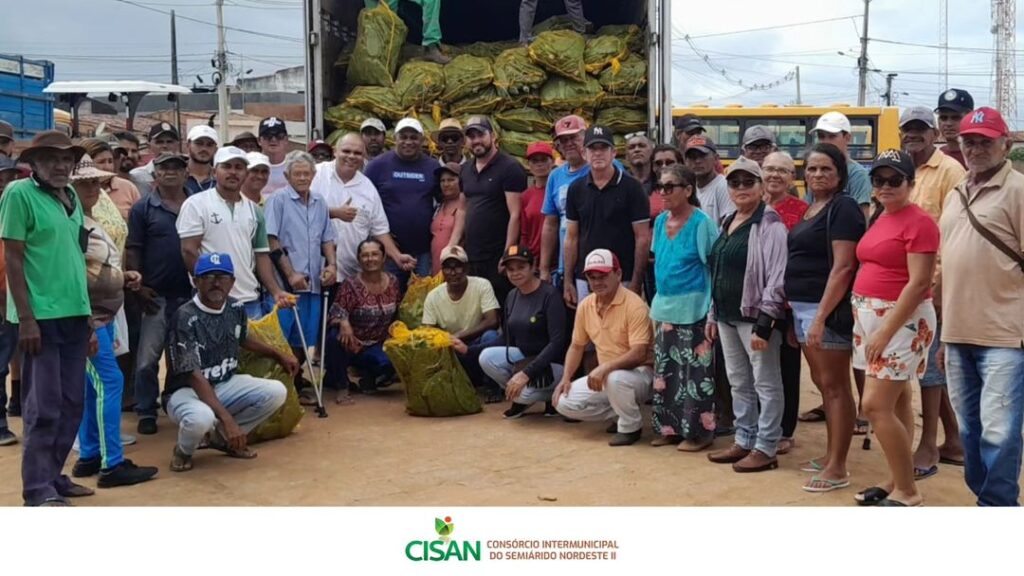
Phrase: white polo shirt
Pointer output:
(370, 220)
(236, 228)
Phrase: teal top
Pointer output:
(681, 272)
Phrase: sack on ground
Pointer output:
(379, 42)
(435, 383)
(410, 311)
(464, 75)
(560, 52)
(419, 84)
(283, 422)
(515, 73)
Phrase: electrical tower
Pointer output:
(1004, 60)
(944, 43)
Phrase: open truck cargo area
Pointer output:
(22, 101)
(332, 25)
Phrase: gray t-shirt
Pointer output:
(715, 201)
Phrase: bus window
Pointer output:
(725, 133)
(862, 145)
(790, 133)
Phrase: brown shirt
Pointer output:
(982, 288)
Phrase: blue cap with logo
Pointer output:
(214, 262)
(956, 100)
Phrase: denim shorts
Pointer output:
(803, 316)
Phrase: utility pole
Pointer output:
(798, 101)
(222, 70)
(862, 62)
(174, 74)
(888, 88)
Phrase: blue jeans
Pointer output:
(423, 268)
(371, 360)
(248, 399)
(99, 436)
(498, 366)
(986, 388)
(471, 359)
(255, 309)
(153, 331)
(8, 345)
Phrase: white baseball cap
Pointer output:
(833, 123)
(229, 153)
(409, 123)
(374, 123)
(257, 159)
(203, 131)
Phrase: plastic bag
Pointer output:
(464, 75)
(378, 46)
(604, 51)
(631, 34)
(623, 120)
(630, 78)
(381, 102)
(410, 311)
(419, 84)
(481, 102)
(515, 72)
(435, 383)
(524, 120)
(561, 94)
(515, 143)
(347, 118)
(284, 421)
(560, 52)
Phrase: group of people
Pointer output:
(591, 285)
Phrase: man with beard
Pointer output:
(953, 105)
(220, 219)
(354, 206)
(162, 138)
(373, 133)
(404, 178)
(41, 222)
(126, 153)
(638, 153)
(202, 144)
(493, 185)
(936, 175)
(450, 140)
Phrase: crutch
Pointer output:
(317, 382)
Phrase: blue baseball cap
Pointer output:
(214, 262)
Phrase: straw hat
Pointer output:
(87, 170)
(50, 140)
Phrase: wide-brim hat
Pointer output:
(86, 170)
(50, 140)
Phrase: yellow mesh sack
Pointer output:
(410, 311)
(284, 421)
(435, 383)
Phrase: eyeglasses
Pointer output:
(758, 146)
(741, 184)
(667, 188)
(663, 163)
(776, 170)
(892, 181)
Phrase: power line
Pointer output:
(764, 28)
(198, 21)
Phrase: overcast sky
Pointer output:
(108, 39)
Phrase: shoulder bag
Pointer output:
(988, 235)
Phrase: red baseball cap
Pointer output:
(571, 124)
(539, 148)
(984, 121)
(314, 144)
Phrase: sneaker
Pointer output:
(7, 438)
(550, 410)
(128, 439)
(625, 438)
(147, 426)
(433, 53)
(515, 411)
(86, 467)
(126, 474)
(14, 409)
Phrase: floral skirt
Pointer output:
(906, 354)
(684, 384)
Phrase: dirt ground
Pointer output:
(373, 454)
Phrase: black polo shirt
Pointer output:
(152, 231)
(606, 217)
(486, 211)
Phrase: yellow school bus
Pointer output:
(874, 128)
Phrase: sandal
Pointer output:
(811, 466)
(815, 415)
(694, 445)
(950, 461)
(922, 473)
(665, 440)
(342, 397)
(217, 442)
(860, 427)
(180, 462)
(307, 397)
(870, 496)
(821, 485)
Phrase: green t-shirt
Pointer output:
(54, 262)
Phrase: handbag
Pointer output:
(988, 235)
(841, 318)
(547, 376)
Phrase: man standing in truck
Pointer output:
(431, 27)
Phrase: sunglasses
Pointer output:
(741, 184)
(275, 136)
(666, 189)
(663, 163)
(632, 135)
(449, 138)
(892, 181)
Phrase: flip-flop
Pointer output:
(814, 415)
(922, 473)
(811, 466)
(820, 485)
(887, 503)
(860, 427)
(870, 496)
(950, 461)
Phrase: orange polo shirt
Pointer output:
(626, 323)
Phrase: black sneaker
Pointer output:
(147, 426)
(86, 468)
(14, 409)
(550, 410)
(515, 411)
(7, 438)
(126, 474)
